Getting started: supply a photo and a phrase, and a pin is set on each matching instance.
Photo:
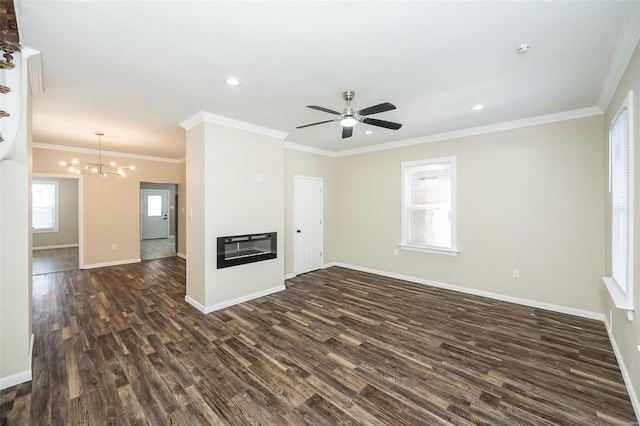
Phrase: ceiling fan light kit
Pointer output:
(350, 117)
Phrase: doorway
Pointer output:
(56, 236)
(307, 224)
(158, 221)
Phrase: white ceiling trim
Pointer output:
(627, 41)
(309, 149)
(112, 153)
(492, 128)
(208, 117)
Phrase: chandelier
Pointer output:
(81, 167)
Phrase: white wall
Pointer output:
(15, 249)
(235, 186)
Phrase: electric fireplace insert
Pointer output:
(240, 249)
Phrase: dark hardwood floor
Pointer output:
(120, 346)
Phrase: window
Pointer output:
(428, 205)
(620, 284)
(154, 205)
(44, 206)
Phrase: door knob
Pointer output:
(298, 231)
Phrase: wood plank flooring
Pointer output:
(54, 260)
(120, 346)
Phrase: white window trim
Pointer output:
(624, 300)
(55, 208)
(448, 251)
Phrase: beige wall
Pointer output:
(306, 164)
(67, 233)
(110, 206)
(15, 247)
(528, 198)
(626, 333)
(227, 199)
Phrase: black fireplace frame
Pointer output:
(224, 262)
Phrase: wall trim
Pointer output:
(112, 263)
(55, 247)
(181, 256)
(15, 379)
(111, 153)
(635, 402)
(207, 117)
(627, 41)
(23, 376)
(227, 303)
(474, 131)
(289, 276)
(309, 149)
(475, 292)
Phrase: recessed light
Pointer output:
(522, 49)
(232, 81)
(477, 107)
(368, 132)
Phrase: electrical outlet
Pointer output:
(515, 272)
(114, 246)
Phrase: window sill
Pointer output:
(432, 250)
(43, 231)
(620, 300)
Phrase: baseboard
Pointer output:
(212, 308)
(623, 369)
(289, 276)
(15, 379)
(181, 256)
(114, 263)
(330, 264)
(482, 293)
(55, 247)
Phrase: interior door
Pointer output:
(154, 211)
(307, 224)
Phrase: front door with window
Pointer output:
(154, 211)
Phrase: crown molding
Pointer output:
(491, 128)
(112, 153)
(627, 41)
(207, 117)
(309, 149)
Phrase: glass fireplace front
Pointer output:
(240, 249)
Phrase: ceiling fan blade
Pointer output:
(319, 108)
(347, 132)
(377, 108)
(314, 124)
(382, 123)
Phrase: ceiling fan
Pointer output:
(349, 117)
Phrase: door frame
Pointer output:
(80, 179)
(293, 219)
(168, 210)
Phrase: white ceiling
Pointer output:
(134, 70)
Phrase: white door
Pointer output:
(307, 224)
(154, 210)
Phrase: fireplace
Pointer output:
(240, 249)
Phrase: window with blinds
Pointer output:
(619, 188)
(428, 204)
(621, 171)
